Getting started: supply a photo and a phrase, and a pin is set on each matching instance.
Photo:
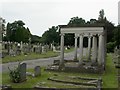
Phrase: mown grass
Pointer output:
(0, 78)
(29, 57)
(109, 77)
(32, 56)
(69, 50)
(31, 82)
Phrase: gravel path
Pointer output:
(37, 62)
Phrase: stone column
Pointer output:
(105, 47)
(62, 51)
(81, 49)
(89, 47)
(75, 56)
(103, 51)
(100, 50)
(94, 56)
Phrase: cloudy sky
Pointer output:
(39, 15)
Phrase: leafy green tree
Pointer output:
(76, 21)
(69, 39)
(17, 32)
(50, 36)
(117, 36)
(108, 25)
(101, 15)
(35, 39)
(2, 29)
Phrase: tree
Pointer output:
(76, 21)
(2, 29)
(35, 39)
(50, 36)
(69, 39)
(116, 37)
(16, 32)
(108, 25)
(101, 15)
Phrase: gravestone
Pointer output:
(43, 49)
(51, 46)
(40, 47)
(37, 71)
(18, 49)
(22, 69)
(54, 49)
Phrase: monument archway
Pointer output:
(91, 32)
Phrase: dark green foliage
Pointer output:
(16, 32)
(35, 39)
(110, 47)
(51, 36)
(76, 21)
(108, 25)
(101, 15)
(15, 74)
(69, 39)
(2, 31)
(92, 21)
(117, 36)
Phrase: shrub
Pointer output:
(110, 47)
(15, 74)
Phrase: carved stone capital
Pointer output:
(76, 35)
(62, 34)
(81, 34)
(101, 34)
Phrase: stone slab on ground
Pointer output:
(86, 67)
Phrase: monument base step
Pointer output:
(75, 67)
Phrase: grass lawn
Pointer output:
(0, 79)
(32, 56)
(109, 78)
(29, 57)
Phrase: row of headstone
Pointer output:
(14, 48)
(55, 48)
(37, 72)
(23, 73)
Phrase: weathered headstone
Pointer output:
(37, 71)
(51, 47)
(54, 49)
(43, 49)
(40, 47)
(22, 69)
